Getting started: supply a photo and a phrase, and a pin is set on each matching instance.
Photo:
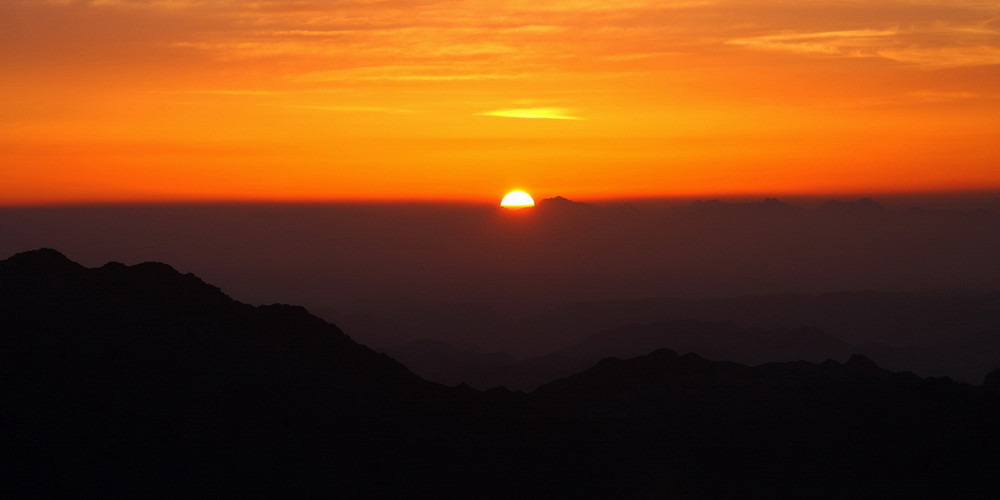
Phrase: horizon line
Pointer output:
(495, 200)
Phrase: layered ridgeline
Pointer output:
(142, 380)
(933, 334)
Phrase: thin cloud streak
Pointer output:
(355, 109)
(533, 113)
(932, 47)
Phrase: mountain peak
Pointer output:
(42, 260)
(861, 361)
(560, 202)
(558, 199)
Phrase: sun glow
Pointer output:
(517, 200)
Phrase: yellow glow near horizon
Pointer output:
(517, 199)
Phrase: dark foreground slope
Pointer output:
(800, 429)
(143, 381)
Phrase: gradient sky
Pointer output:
(143, 100)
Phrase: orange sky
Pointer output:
(172, 100)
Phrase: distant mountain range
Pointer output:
(715, 340)
(955, 334)
(142, 381)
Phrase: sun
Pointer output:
(517, 200)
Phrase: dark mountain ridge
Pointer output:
(139, 380)
(955, 334)
(123, 378)
(786, 427)
(712, 339)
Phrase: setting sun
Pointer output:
(517, 200)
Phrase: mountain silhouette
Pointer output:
(715, 340)
(123, 378)
(789, 428)
(558, 202)
(928, 321)
(127, 380)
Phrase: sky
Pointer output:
(201, 100)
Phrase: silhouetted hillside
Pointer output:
(898, 318)
(799, 429)
(716, 340)
(142, 381)
(933, 334)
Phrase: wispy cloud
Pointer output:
(944, 57)
(232, 92)
(859, 43)
(935, 46)
(936, 96)
(534, 113)
(401, 74)
(355, 109)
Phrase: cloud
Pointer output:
(403, 73)
(935, 46)
(566, 48)
(533, 113)
(937, 96)
(518, 37)
(944, 57)
(230, 92)
(356, 109)
(860, 43)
